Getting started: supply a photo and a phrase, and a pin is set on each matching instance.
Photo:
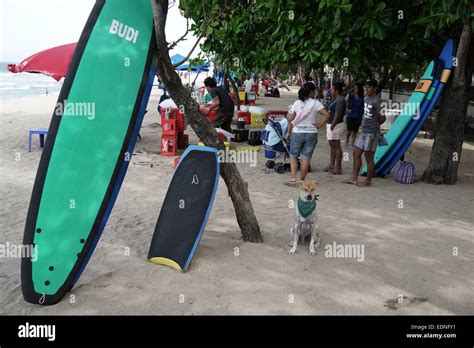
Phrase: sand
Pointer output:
(418, 240)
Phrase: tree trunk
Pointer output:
(322, 82)
(450, 123)
(237, 186)
(383, 79)
(393, 86)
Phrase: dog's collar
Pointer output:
(306, 208)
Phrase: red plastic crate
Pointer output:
(168, 127)
(174, 114)
(169, 145)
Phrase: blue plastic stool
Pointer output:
(41, 132)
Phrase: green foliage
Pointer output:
(362, 36)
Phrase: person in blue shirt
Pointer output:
(355, 111)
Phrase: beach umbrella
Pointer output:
(194, 68)
(52, 62)
(177, 58)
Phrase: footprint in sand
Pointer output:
(403, 302)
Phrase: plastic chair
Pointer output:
(41, 132)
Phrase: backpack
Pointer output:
(404, 173)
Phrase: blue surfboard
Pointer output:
(446, 59)
(394, 151)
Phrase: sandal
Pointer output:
(328, 168)
(290, 182)
(350, 181)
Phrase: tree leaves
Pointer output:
(262, 34)
(336, 42)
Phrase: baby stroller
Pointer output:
(274, 143)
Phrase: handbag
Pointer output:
(404, 173)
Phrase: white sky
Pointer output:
(30, 26)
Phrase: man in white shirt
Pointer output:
(248, 84)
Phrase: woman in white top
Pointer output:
(303, 130)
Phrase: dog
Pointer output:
(306, 217)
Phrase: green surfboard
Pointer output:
(409, 111)
(87, 151)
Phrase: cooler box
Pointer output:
(246, 115)
(252, 98)
(257, 120)
(270, 154)
(226, 143)
(243, 97)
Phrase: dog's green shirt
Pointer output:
(306, 208)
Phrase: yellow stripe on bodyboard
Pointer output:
(166, 262)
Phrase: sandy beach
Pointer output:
(418, 239)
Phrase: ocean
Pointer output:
(13, 86)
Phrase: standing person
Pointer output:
(309, 78)
(327, 95)
(248, 84)
(221, 101)
(369, 137)
(303, 130)
(335, 129)
(355, 110)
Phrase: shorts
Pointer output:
(303, 145)
(367, 141)
(337, 133)
(353, 124)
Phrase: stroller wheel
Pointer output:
(280, 168)
(270, 164)
(287, 167)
